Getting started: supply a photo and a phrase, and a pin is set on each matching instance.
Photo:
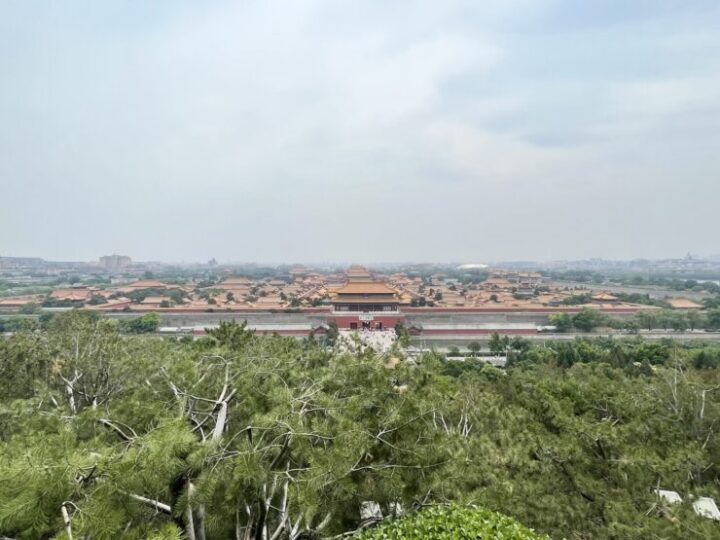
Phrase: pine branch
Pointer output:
(123, 435)
(157, 505)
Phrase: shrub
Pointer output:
(145, 324)
(451, 522)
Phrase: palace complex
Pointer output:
(302, 302)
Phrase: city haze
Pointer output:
(323, 131)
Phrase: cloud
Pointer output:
(357, 131)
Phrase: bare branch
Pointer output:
(123, 435)
(157, 505)
(66, 521)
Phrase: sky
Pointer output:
(308, 131)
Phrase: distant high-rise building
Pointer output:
(115, 263)
(18, 263)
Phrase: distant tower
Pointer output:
(115, 263)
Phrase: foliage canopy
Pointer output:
(241, 436)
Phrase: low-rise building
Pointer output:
(683, 303)
(73, 294)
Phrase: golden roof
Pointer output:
(361, 288)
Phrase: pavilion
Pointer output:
(370, 305)
(358, 273)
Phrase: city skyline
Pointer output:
(228, 262)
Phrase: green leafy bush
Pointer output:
(451, 522)
(144, 324)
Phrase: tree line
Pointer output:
(588, 319)
(634, 279)
(234, 435)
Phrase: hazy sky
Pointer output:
(360, 131)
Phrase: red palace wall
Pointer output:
(468, 331)
(388, 321)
